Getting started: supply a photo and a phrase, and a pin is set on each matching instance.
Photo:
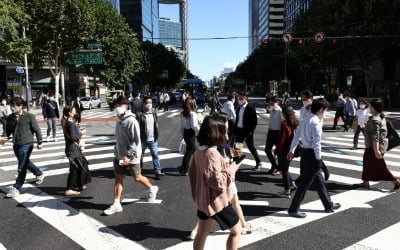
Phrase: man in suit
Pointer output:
(246, 123)
(136, 105)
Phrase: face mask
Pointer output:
(148, 106)
(4, 103)
(51, 98)
(362, 106)
(119, 111)
(240, 102)
(305, 103)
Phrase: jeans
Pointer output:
(51, 126)
(310, 174)
(284, 168)
(272, 139)
(241, 136)
(153, 146)
(23, 152)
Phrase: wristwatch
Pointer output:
(131, 155)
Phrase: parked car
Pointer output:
(90, 102)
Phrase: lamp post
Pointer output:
(26, 72)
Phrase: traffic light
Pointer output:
(265, 41)
(301, 41)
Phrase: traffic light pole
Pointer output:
(26, 72)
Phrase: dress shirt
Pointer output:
(190, 122)
(275, 120)
(230, 110)
(362, 116)
(310, 134)
(241, 112)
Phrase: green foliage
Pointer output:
(119, 44)
(12, 45)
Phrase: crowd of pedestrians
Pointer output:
(213, 164)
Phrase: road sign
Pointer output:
(287, 38)
(94, 45)
(20, 70)
(319, 37)
(85, 57)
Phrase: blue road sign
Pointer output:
(20, 70)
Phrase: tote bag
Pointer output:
(393, 137)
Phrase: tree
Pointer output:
(12, 45)
(56, 28)
(120, 46)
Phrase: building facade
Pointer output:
(115, 4)
(293, 8)
(170, 33)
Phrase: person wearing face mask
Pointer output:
(362, 118)
(310, 131)
(51, 115)
(22, 126)
(230, 111)
(148, 122)
(246, 123)
(5, 111)
(275, 113)
(127, 154)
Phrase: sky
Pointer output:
(214, 18)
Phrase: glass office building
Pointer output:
(115, 4)
(170, 33)
(142, 18)
(293, 8)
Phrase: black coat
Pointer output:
(249, 119)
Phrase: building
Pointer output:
(142, 18)
(293, 8)
(266, 19)
(115, 4)
(170, 33)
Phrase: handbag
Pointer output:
(182, 147)
(392, 135)
(297, 151)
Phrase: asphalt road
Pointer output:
(42, 217)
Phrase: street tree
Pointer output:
(56, 28)
(12, 18)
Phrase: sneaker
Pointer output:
(13, 192)
(152, 193)
(293, 187)
(247, 229)
(48, 138)
(55, 139)
(72, 193)
(192, 235)
(39, 179)
(114, 208)
(257, 167)
(276, 172)
(333, 208)
(285, 193)
(159, 175)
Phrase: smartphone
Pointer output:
(239, 159)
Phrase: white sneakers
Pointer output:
(114, 208)
(152, 193)
(55, 139)
(13, 192)
(48, 139)
(39, 179)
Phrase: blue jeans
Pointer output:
(152, 145)
(23, 152)
(284, 163)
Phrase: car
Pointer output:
(89, 102)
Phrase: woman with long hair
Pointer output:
(189, 129)
(374, 165)
(79, 174)
(211, 176)
(288, 126)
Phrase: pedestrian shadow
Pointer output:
(255, 177)
(144, 230)
(257, 211)
(109, 173)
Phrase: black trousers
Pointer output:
(310, 174)
(243, 135)
(272, 139)
(3, 122)
(357, 134)
(339, 114)
(190, 140)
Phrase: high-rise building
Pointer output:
(142, 18)
(115, 4)
(265, 21)
(170, 32)
(293, 8)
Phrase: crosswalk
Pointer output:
(345, 166)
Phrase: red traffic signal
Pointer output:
(301, 41)
(265, 41)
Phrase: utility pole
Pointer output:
(26, 72)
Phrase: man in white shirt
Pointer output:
(230, 112)
(275, 113)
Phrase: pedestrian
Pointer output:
(127, 153)
(310, 131)
(230, 111)
(23, 126)
(339, 111)
(51, 115)
(246, 123)
(189, 129)
(79, 174)
(148, 122)
(350, 108)
(5, 111)
(288, 125)
(78, 109)
(374, 165)
(362, 118)
(211, 177)
(286, 98)
(136, 104)
(275, 121)
(166, 99)
(161, 100)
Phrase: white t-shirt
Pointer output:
(362, 116)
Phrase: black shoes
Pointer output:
(297, 214)
(333, 208)
(159, 175)
(257, 167)
(396, 186)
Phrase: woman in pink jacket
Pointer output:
(211, 176)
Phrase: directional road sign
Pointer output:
(85, 57)
(287, 38)
(319, 37)
(20, 70)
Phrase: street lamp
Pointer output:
(26, 71)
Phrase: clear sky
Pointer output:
(214, 18)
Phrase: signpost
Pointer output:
(287, 38)
(319, 37)
(85, 57)
(20, 70)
